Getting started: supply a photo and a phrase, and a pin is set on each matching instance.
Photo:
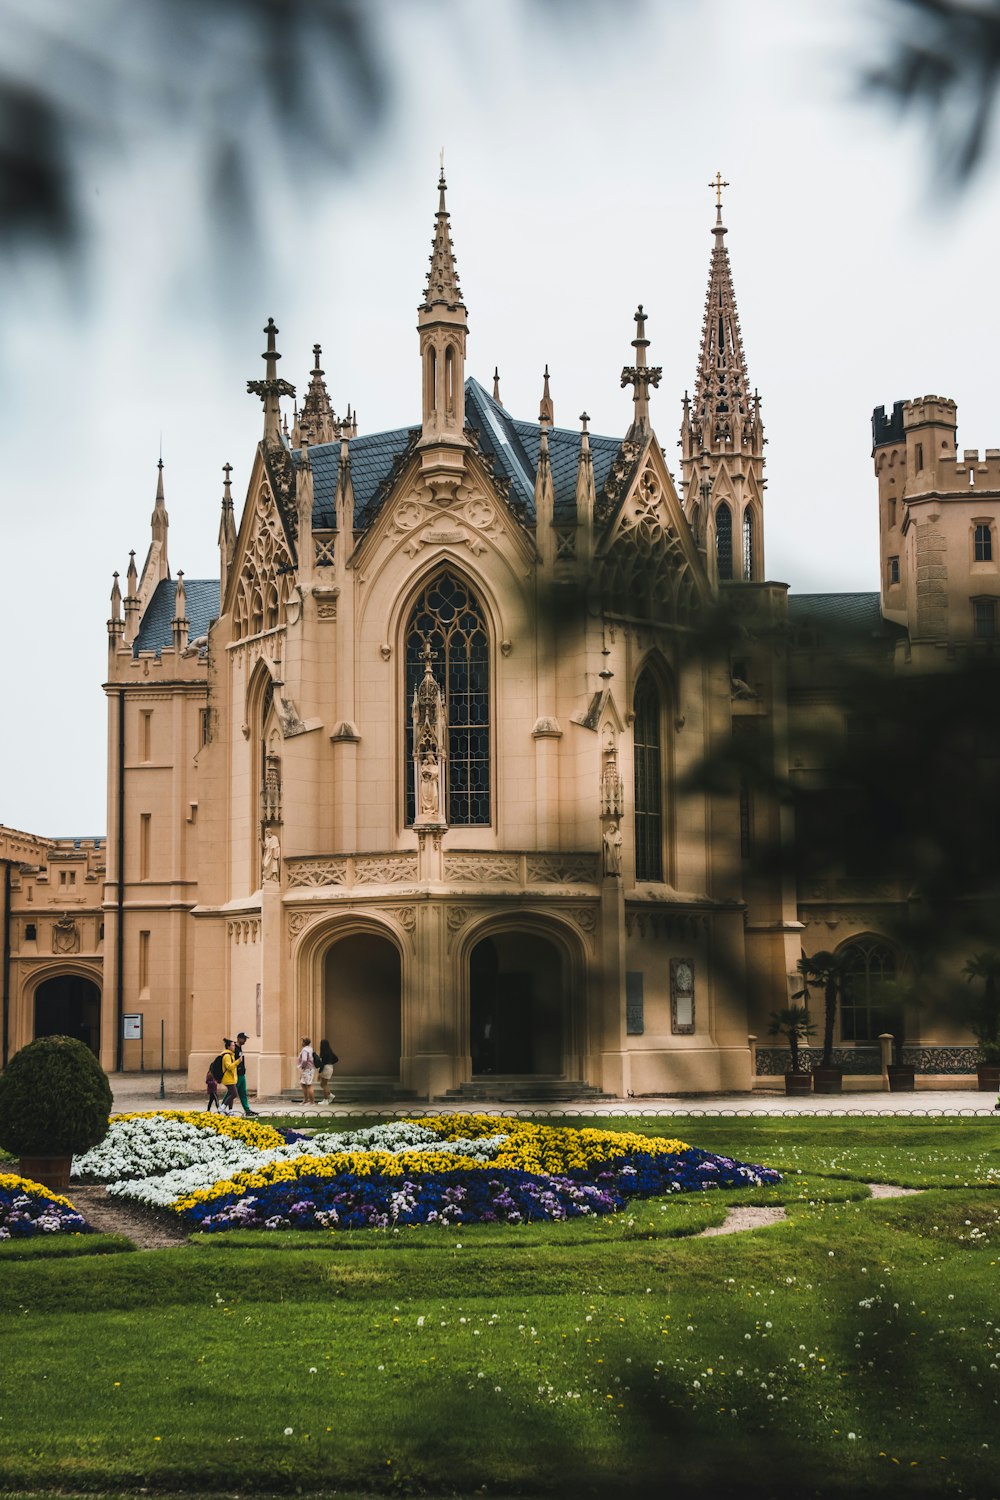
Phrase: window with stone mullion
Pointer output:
(448, 617)
(648, 773)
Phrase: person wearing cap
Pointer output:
(229, 1073)
(241, 1073)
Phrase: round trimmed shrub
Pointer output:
(55, 1099)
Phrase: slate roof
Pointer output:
(202, 608)
(852, 616)
(512, 444)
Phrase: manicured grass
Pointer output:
(591, 1357)
(63, 1247)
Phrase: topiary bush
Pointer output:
(55, 1099)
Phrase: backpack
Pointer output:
(215, 1068)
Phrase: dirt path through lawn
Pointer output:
(147, 1231)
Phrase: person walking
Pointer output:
(307, 1071)
(212, 1084)
(327, 1059)
(241, 1073)
(229, 1073)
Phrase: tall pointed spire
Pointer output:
(317, 421)
(722, 406)
(640, 376)
(159, 525)
(722, 436)
(441, 322)
(496, 385)
(227, 529)
(271, 389)
(442, 279)
(546, 411)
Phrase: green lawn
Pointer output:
(851, 1350)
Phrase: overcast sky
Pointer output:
(578, 156)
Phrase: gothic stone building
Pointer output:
(420, 771)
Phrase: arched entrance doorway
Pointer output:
(362, 1005)
(517, 1005)
(69, 1005)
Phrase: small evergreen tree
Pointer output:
(55, 1099)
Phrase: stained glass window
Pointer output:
(648, 763)
(748, 544)
(449, 619)
(724, 540)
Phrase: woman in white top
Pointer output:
(307, 1071)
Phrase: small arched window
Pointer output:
(982, 542)
(724, 541)
(449, 619)
(748, 540)
(432, 362)
(648, 776)
(449, 380)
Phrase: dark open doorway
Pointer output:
(69, 1005)
(516, 1005)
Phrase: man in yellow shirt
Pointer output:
(229, 1073)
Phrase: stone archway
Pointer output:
(517, 1005)
(362, 1005)
(69, 1005)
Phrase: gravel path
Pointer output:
(745, 1217)
(147, 1231)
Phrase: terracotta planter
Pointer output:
(798, 1083)
(51, 1171)
(989, 1078)
(902, 1078)
(828, 1080)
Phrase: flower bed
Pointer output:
(27, 1208)
(446, 1169)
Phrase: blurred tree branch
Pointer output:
(944, 61)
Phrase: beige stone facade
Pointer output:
(420, 772)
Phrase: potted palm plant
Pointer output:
(794, 1023)
(825, 970)
(55, 1102)
(986, 1017)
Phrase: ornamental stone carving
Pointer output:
(386, 869)
(315, 873)
(244, 929)
(65, 935)
(483, 869)
(565, 869)
(407, 918)
(585, 918)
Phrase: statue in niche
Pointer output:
(612, 790)
(430, 779)
(428, 717)
(612, 850)
(65, 935)
(271, 810)
(271, 859)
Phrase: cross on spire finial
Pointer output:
(718, 184)
(427, 656)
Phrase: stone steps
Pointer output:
(496, 1088)
(359, 1091)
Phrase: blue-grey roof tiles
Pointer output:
(512, 444)
(202, 608)
(848, 615)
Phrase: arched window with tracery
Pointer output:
(867, 1008)
(648, 774)
(724, 541)
(449, 618)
